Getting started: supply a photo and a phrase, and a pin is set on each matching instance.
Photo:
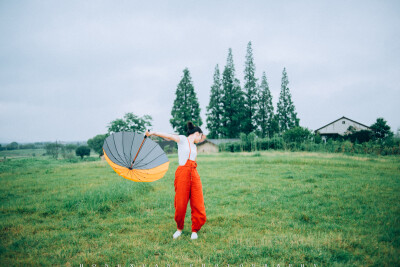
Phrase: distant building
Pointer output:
(211, 145)
(340, 127)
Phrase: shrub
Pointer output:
(263, 144)
(12, 146)
(347, 147)
(53, 149)
(247, 142)
(243, 137)
(174, 149)
(67, 151)
(96, 143)
(297, 134)
(227, 147)
(27, 146)
(82, 151)
(167, 149)
(275, 143)
(70, 147)
(317, 138)
(360, 136)
(237, 146)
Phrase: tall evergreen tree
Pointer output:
(232, 101)
(186, 105)
(239, 110)
(265, 111)
(251, 93)
(286, 111)
(214, 109)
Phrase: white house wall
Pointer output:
(207, 148)
(340, 128)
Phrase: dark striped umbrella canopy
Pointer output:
(135, 157)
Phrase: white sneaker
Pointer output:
(177, 234)
(194, 235)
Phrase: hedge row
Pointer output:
(385, 147)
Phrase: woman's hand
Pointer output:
(147, 133)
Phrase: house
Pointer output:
(340, 127)
(211, 145)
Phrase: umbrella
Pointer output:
(135, 157)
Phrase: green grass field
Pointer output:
(262, 208)
(22, 153)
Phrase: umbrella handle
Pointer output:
(145, 136)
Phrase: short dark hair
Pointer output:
(191, 128)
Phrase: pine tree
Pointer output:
(232, 101)
(265, 114)
(186, 105)
(286, 111)
(251, 93)
(239, 111)
(214, 109)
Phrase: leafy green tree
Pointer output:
(380, 129)
(250, 92)
(232, 101)
(70, 147)
(317, 138)
(359, 136)
(67, 151)
(82, 151)
(167, 149)
(27, 146)
(248, 142)
(53, 149)
(397, 135)
(12, 146)
(214, 109)
(186, 105)
(265, 110)
(96, 143)
(287, 115)
(297, 134)
(130, 122)
(351, 129)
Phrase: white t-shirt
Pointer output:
(183, 150)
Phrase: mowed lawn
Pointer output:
(270, 207)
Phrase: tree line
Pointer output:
(232, 109)
(379, 140)
(236, 112)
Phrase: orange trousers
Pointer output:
(188, 186)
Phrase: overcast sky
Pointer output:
(68, 68)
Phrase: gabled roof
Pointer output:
(340, 119)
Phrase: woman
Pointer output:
(187, 180)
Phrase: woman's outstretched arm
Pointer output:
(166, 136)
